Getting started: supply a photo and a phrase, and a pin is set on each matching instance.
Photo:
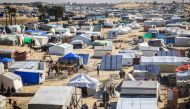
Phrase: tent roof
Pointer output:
(2, 98)
(137, 103)
(83, 80)
(53, 95)
(11, 76)
(70, 56)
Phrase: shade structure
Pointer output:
(83, 80)
(70, 56)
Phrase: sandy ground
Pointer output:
(19, 20)
(132, 5)
(90, 69)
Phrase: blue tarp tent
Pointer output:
(29, 78)
(85, 58)
(4, 60)
(36, 32)
(70, 56)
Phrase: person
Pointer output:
(2, 88)
(95, 105)
(113, 90)
(110, 89)
(13, 90)
(8, 91)
(98, 70)
(120, 74)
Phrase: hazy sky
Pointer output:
(90, 1)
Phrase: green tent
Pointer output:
(148, 35)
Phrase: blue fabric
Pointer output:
(42, 33)
(85, 58)
(69, 56)
(29, 78)
(4, 60)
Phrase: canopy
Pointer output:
(83, 80)
(70, 56)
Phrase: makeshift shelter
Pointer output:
(86, 39)
(8, 39)
(102, 43)
(6, 61)
(3, 101)
(36, 32)
(88, 84)
(11, 80)
(111, 62)
(148, 50)
(140, 88)
(71, 58)
(112, 34)
(169, 53)
(7, 53)
(183, 73)
(148, 35)
(78, 44)
(85, 57)
(54, 97)
(61, 49)
(182, 42)
(137, 103)
(31, 72)
(99, 51)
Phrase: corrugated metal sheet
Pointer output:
(137, 103)
(111, 62)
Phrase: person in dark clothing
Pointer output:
(98, 70)
(2, 89)
(95, 105)
(8, 91)
(13, 90)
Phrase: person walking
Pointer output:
(98, 70)
(95, 105)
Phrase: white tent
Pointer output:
(85, 38)
(164, 60)
(52, 97)
(61, 49)
(1, 68)
(11, 80)
(84, 81)
(2, 102)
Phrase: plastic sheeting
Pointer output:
(111, 62)
(155, 69)
(137, 103)
(36, 32)
(70, 56)
(85, 58)
(83, 80)
(5, 60)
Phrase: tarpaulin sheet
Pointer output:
(85, 58)
(4, 60)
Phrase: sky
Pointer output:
(88, 1)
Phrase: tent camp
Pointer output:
(88, 84)
(53, 97)
(83, 38)
(148, 50)
(61, 49)
(11, 80)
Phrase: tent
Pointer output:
(11, 80)
(70, 56)
(111, 62)
(6, 61)
(3, 101)
(35, 32)
(148, 35)
(88, 84)
(85, 38)
(61, 49)
(53, 97)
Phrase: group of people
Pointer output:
(7, 91)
